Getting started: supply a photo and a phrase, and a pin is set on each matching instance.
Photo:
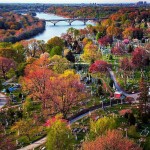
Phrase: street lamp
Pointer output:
(102, 104)
(110, 102)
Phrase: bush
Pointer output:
(132, 132)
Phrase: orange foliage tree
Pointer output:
(113, 140)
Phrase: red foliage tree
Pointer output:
(65, 93)
(52, 120)
(125, 64)
(113, 140)
(37, 84)
(106, 40)
(139, 57)
(5, 65)
(118, 49)
(99, 66)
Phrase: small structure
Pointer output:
(117, 95)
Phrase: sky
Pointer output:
(70, 1)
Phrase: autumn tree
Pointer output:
(26, 128)
(139, 58)
(91, 53)
(113, 31)
(133, 33)
(66, 91)
(128, 32)
(59, 134)
(59, 64)
(37, 84)
(8, 53)
(86, 41)
(113, 140)
(118, 49)
(100, 66)
(5, 65)
(43, 62)
(105, 41)
(106, 22)
(55, 41)
(31, 47)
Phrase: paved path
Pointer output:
(34, 145)
(135, 95)
(3, 100)
(9, 81)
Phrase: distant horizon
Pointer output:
(73, 1)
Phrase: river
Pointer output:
(58, 29)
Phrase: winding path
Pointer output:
(135, 95)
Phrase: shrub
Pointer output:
(132, 132)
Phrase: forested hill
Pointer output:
(79, 11)
(15, 27)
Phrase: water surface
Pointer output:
(58, 29)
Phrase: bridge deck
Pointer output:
(74, 19)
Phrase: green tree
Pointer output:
(57, 50)
(19, 50)
(59, 135)
(27, 106)
(20, 69)
(99, 127)
(55, 41)
(99, 35)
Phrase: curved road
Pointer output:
(135, 95)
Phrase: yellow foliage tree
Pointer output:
(91, 53)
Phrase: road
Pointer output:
(119, 89)
(3, 100)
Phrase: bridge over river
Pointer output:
(84, 20)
